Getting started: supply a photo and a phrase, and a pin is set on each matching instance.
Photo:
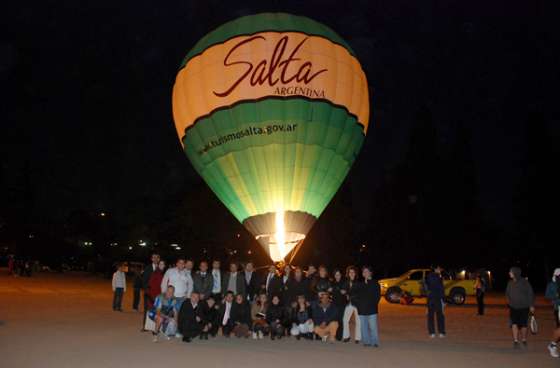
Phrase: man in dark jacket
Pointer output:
(234, 281)
(191, 318)
(436, 299)
(296, 286)
(367, 297)
(520, 298)
(203, 281)
(272, 283)
(325, 318)
(252, 282)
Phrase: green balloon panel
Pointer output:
(278, 153)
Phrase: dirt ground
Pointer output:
(66, 321)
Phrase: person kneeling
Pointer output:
(302, 324)
(211, 318)
(325, 318)
(164, 314)
(241, 316)
(191, 318)
(275, 317)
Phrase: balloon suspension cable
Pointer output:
(294, 251)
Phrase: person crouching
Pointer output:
(325, 318)
(302, 323)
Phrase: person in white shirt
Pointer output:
(180, 280)
(217, 281)
(119, 287)
(189, 265)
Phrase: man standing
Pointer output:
(146, 274)
(367, 300)
(119, 287)
(234, 281)
(216, 281)
(251, 281)
(436, 301)
(191, 318)
(181, 282)
(203, 281)
(325, 317)
(272, 283)
(520, 298)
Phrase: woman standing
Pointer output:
(154, 285)
(480, 288)
(349, 291)
(338, 299)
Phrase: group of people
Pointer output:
(188, 304)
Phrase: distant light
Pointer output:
(114, 244)
(31, 236)
(239, 235)
(130, 248)
(142, 243)
(102, 214)
(249, 252)
(177, 248)
(363, 245)
(174, 245)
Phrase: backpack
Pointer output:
(551, 292)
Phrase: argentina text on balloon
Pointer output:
(279, 68)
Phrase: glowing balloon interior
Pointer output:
(272, 110)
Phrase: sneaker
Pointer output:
(346, 339)
(553, 349)
(516, 345)
(432, 336)
(155, 338)
(260, 335)
(441, 335)
(178, 335)
(324, 338)
(357, 341)
(254, 335)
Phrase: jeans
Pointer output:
(368, 325)
(117, 298)
(436, 307)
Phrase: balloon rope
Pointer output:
(295, 251)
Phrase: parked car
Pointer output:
(412, 282)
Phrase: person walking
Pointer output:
(520, 299)
(480, 289)
(436, 302)
(367, 301)
(552, 293)
(119, 288)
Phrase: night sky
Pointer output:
(87, 86)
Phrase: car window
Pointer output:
(418, 275)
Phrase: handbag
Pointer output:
(150, 325)
(533, 325)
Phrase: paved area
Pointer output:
(66, 320)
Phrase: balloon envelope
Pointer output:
(271, 110)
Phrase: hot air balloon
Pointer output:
(272, 110)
